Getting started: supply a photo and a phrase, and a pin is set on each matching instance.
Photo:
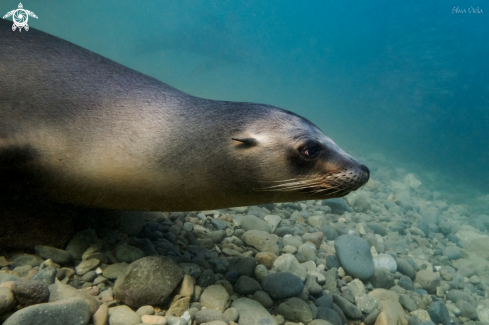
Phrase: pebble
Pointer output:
(24, 259)
(101, 316)
(128, 253)
(329, 315)
(263, 298)
(439, 313)
(81, 242)
(385, 261)
(207, 278)
(266, 258)
(252, 312)
(55, 254)
(246, 285)
(288, 263)
(282, 285)
(428, 280)
(296, 310)
(147, 281)
(215, 297)
(250, 222)
(349, 309)
(231, 314)
(145, 310)
(261, 272)
(262, 241)
(355, 256)
(123, 315)
(62, 312)
(405, 268)
(86, 266)
(7, 300)
(30, 292)
(60, 291)
(152, 319)
(382, 278)
(453, 253)
(209, 315)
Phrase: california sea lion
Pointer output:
(81, 129)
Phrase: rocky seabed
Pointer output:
(391, 253)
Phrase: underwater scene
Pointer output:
(244, 162)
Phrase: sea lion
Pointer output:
(78, 128)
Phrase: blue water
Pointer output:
(406, 79)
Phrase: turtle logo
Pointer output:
(20, 17)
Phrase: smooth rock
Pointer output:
(405, 268)
(191, 269)
(81, 242)
(215, 297)
(7, 300)
(266, 259)
(252, 312)
(262, 241)
(246, 285)
(428, 280)
(24, 259)
(207, 278)
(296, 310)
(145, 310)
(70, 311)
(319, 322)
(263, 298)
(114, 270)
(250, 222)
(208, 315)
(231, 314)
(101, 316)
(288, 263)
(329, 315)
(439, 313)
(148, 281)
(382, 278)
(30, 292)
(178, 307)
(127, 253)
(466, 310)
(261, 272)
(55, 254)
(86, 266)
(453, 253)
(282, 285)
(123, 315)
(392, 311)
(385, 261)
(316, 238)
(355, 256)
(366, 303)
(188, 286)
(350, 310)
(153, 319)
(60, 291)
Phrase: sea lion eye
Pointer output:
(311, 152)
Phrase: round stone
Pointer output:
(355, 256)
(148, 281)
(282, 285)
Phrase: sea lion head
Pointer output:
(294, 160)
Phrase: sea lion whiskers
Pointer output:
(307, 183)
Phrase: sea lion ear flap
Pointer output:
(248, 142)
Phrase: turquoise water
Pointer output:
(408, 80)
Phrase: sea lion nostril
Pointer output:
(365, 169)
